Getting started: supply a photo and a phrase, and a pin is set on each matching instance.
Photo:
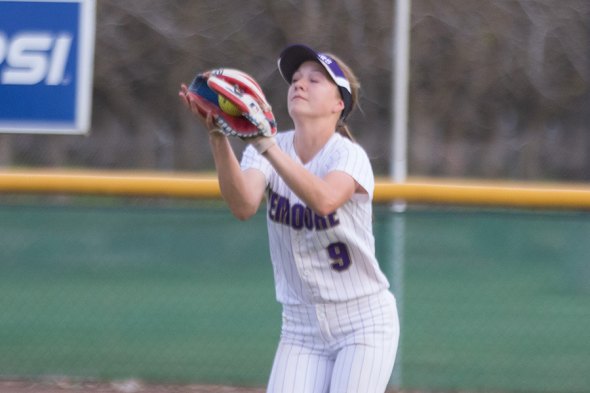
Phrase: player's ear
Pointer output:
(339, 106)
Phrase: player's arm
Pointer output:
(322, 195)
(243, 191)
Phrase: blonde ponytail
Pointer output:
(342, 128)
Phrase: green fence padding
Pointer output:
(489, 300)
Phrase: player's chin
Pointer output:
(298, 108)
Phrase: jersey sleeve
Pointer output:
(354, 161)
(251, 159)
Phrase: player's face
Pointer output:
(312, 92)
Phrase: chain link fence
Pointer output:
(489, 300)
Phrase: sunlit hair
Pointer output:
(341, 126)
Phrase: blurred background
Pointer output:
(498, 89)
(491, 299)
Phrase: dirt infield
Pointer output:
(128, 386)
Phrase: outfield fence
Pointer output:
(492, 281)
(179, 185)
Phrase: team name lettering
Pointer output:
(297, 216)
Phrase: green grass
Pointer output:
(489, 300)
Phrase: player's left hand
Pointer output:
(243, 93)
(205, 115)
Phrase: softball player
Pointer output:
(340, 326)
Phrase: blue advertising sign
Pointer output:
(46, 64)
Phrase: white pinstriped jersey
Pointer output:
(321, 259)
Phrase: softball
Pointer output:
(228, 107)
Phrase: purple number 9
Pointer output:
(339, 255)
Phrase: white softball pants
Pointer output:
(337, 348)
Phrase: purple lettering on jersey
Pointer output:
(297, 216)
(338, 253)
(320, 222)
(283, 208)
(298, 211)
(272, 204)
(308, 218)
(333, 220)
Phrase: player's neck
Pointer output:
(311, 136)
